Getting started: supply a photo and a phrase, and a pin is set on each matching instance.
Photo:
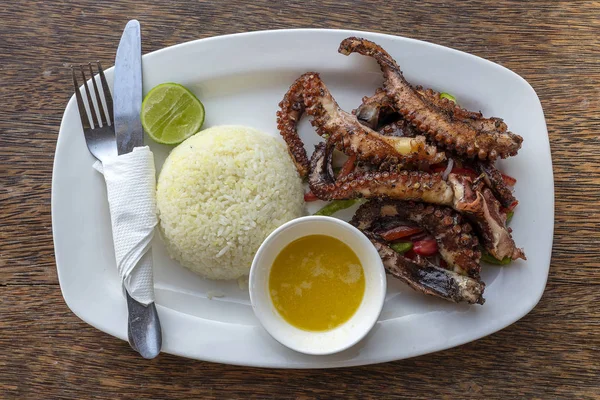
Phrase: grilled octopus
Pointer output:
(309, 94)
(420, 274)
(474, 200)
(457, 246)
(493, 179)
(475, 119)
(449, 128)
(395, 136)
(379, 109)
(377, 112)
(291, 109)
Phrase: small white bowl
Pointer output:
(322, 342)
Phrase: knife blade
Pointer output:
(128, 89)
(143, 326)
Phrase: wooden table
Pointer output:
(47, 352)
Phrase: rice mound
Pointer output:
(220, 193)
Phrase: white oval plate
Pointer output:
(241, 79)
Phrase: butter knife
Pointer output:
(143, 326)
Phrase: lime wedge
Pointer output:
(171, 113)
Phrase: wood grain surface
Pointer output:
(47, 352)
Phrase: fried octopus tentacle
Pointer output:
(445, 104)
(437, 123)
(375, 109)
(400, 127)
(351, 137)
(427, 278)
(377, 113)
(378, 110)
(482, 208)
(474, 119)
(404, 185)
(493, 178)
(292, 108)
(457, 245)
(477, 204)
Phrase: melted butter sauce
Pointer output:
(317, 283)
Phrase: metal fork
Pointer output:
(143, 327)
(100, 138)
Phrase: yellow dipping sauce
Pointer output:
(317, 283)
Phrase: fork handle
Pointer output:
(143, 328)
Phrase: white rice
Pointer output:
(219, 195)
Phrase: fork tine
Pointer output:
(98, 99)
(85, 122)
(89, 98)
(107, 96)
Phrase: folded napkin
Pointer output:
(131, 186)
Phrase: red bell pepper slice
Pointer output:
(310, 196)
(348, 166)
(400, 232)
(508, 180)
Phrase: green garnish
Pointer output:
(509, 216)
(401, 247)
(448, 96)
(488, 258)
(336, 206)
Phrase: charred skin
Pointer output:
(351, 137)
(456, 242)
(445, 104)
(493, 178)
(376, 110)
(439, 124)
(427, 278)
(404, 185)
(291, 110)
(309, 94)
(400, 127)
(476, 202)
(474, 119)
(482, 208)
(377, 113)
(379, 109)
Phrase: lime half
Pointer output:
(171, 113)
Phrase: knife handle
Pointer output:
(143, 328)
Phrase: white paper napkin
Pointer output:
(131, 186)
